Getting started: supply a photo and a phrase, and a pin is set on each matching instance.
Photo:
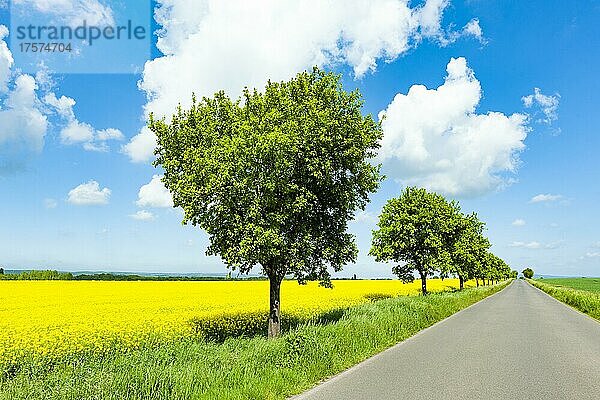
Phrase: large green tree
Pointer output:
(415, 229)
(467, 247)
(274, 177)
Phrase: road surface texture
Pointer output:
(517, 344)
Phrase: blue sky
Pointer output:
(71, 168)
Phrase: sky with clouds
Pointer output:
(491, 103)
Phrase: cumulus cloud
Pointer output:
(518, 222)
(142, 215)
(72, 12)
(154, 194)
(434, 138)
(272, 40)
(474, 29)
(89, 194)
(593, 254)
(545, 198)
(6, 60)
(535, 245)
(26, 107)
(141, 147)
(23, 126)
(547, 105)
(76, 132)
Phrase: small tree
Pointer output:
(274, 178)
(415, 228)
(528, 273)
(514, 274)
(1, 271)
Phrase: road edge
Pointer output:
(371, 359)
(562, 302)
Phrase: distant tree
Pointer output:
(496, 268)
(415, 229)
(528, 273)
(514, 274)
(468, 247)
(1, 271)
(274, 177)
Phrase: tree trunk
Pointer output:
(462, 282)
(477, 281)
(274, 307)
(424, 284)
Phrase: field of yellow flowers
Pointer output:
(58, 318)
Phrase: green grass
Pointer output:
(588, 284)
(241, 368)
(580, 293)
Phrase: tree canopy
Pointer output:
(528, 273)
(422, 232)
(416, 229)
(468, 248)
(275, 176)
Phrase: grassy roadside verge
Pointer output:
(243, 368)
(584, 301)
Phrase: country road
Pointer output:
(517, 344)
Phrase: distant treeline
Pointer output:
(47, 275)
(133, 277)
(52, 275)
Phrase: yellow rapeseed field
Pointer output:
(57, 318)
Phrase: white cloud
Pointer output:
(434, 138)
(548, 105)
(518, 222)
(50, 203)
(141, 147)
(76, 132)
(89, 194)
(544, 198)
(143, 215)
(474, 29)
(72, 12)
(6, 60)
(24, 118)
(274, 40)
(535, 245)
(154, 194)
(22, 124)
(593, 254)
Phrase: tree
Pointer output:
(514, 274)
(467, 247)
(415, 228)
(528, 273)
(1, 271)
(274, 177)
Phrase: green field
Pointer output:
(587, 284)
(239, 368)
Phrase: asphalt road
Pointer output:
(517, 344)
